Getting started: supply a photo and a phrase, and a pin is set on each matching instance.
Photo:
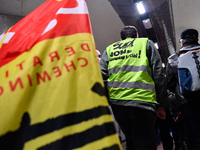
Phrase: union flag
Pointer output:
(51, 90)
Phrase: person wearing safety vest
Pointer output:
(136, 86)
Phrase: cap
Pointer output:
(189, 34)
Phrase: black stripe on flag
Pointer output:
(80, 139)
(27, 132)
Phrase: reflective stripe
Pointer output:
(130, 68)
(136, 85)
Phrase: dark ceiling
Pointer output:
(160, 14)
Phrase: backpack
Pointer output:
(189, 71)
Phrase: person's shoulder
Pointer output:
(172, 59)
(151, 46)
(173, 56)
(150, 41)
(190, 47)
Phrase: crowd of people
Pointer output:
(146, 98)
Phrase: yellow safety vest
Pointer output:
(129, 71)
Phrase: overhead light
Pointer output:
(147, 23)
(140, 7)
(156, 45)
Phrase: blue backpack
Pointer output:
(189, 70)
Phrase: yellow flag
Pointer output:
(51, 89)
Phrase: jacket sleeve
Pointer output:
(104, 69)
(171, 79)
(172, 73)
(104, 65)
(158, 74)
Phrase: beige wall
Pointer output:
(106, 24)
(186, 15)
(6, 21)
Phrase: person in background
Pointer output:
(189, 103)
(172, 132)
(136, 84)
(98, 55)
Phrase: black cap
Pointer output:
(189, 34)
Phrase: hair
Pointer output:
(189, 41)
(129, 32)
(189, 36)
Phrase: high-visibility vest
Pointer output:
(129, 71)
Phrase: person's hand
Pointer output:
(161, 113)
